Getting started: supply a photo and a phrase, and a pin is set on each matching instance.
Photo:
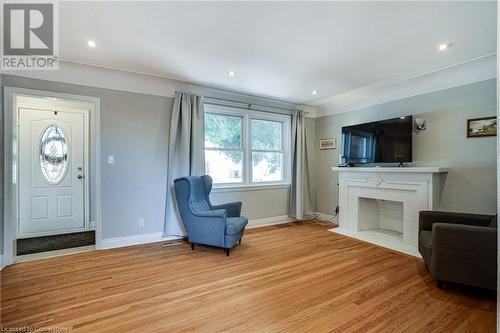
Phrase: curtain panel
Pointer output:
(186, 155)
(300, 194)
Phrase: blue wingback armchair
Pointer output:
(219, 225)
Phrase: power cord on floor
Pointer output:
(330, 220)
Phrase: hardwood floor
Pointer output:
(290, 278)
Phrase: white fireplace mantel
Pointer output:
(392, 169)
(386, 196)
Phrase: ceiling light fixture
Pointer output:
(231, 73)
(91, 44)
(444, 46)
(315, 92)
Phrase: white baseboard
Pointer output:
(110, 243)
(256, 223)
(1, 262)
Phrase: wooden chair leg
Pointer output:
(192, 246)
(227, 252)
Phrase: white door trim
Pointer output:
(11, 190)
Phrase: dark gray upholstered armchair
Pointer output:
(459, 248)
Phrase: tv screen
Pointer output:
(386, 141)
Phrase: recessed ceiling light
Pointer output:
(91, 44)
(231, 73)
(444, 46)
(315, 92)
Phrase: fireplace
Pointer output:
(382, 205)
(383, 216)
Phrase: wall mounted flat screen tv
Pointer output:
(386, 141)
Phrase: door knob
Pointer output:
(79, 177)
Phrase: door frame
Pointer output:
(11, 186)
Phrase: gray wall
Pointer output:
(134, 128)
(470, 185)
(257, 203)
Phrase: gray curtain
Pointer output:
(186, 155)
(300, 195)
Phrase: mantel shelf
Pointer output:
(391, 169)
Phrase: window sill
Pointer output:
(241, 188)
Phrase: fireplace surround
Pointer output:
(380, 205)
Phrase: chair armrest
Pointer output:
(463, 251)
(428, 218)
(207, 227)
(233, 209)
(217, 213)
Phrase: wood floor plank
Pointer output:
(297, 277)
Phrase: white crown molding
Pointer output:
(91, 75)
(467, 72)
(106, 78)
(309, 110)
(474, 70)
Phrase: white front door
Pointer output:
(51, 172)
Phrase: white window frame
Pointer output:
(246, 141)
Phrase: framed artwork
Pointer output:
(479, 127)
(327, 144)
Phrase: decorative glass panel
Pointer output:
(53, 154)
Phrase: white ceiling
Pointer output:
(278, 49)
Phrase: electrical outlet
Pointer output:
(111, 159)
(141, 222)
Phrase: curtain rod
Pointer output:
(248, 106)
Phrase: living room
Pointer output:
(249, 166)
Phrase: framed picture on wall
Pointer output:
(327, 143)
(479, 127)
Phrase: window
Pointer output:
(223, 148)
(246, 147)
(267, 150)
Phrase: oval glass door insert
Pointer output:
(53, 154)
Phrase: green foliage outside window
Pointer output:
(266, 135)
(224, 131)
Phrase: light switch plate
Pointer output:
(111, 159)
